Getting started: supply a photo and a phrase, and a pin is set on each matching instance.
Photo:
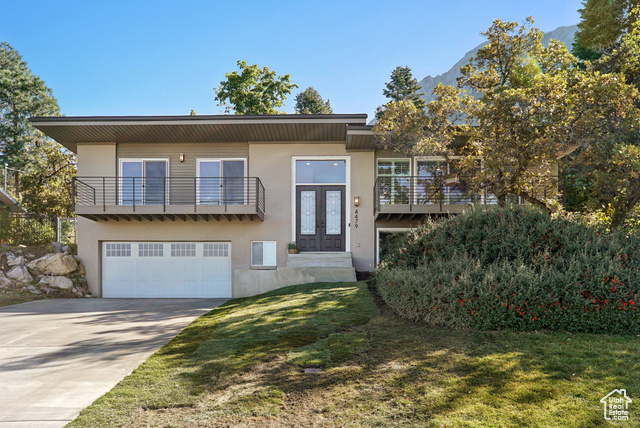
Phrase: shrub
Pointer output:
(514, 268)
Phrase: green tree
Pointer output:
(604, 173)
(402, 87)
(535, 106)
(45, 181)
(22, 95)
(602, 24)
(254, 90)
(309, 101)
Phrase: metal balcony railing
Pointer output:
(433, 191)
(168, 191)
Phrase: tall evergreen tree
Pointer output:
(22, 95)
(309, 101)
(45, 166)
(402, 87)
(603, 23)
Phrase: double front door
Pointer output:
(320, 218)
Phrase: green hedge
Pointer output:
(514, 268)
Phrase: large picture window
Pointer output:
(394, 176)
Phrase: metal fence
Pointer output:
(36, 229)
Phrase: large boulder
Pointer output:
(60, 282)
(4, 281)
(19, 274)
(53, 264)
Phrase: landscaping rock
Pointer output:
(81, 270)
(30, 256)
(57, 246)
(14, 261)
(5, 282)
(33, 290)
(54, 264)
(67, 249)
(19, 274)
(59, 282)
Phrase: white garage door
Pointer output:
(166, 269)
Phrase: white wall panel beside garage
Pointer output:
(166, 269)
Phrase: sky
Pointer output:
(140, 57)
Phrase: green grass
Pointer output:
(242, 364)
(11, 297)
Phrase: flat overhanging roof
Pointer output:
(71, 130)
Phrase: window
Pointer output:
(432, 186)
(221, 181)
(150, 250)
(263, 253)
(321, 171)
(118, 250)
(143, 181)
(183, 250)
(218, 249)
(394, 181)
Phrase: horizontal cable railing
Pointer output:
(437, 190)
(168, 191)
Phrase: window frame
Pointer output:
(220, 161)
(275, 255)
(120, 184)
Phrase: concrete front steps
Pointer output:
(323, 266)
(321, 259)
(301, 268)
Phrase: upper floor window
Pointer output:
(394, 180)
(221, 181)
(143, 181)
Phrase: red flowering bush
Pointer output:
(514, 268)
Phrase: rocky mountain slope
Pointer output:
(563, 34)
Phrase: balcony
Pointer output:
(416, 197)
(169, 198)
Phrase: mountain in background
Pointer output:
(562, 34)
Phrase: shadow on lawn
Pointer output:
(438, 369)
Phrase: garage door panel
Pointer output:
(131, 269)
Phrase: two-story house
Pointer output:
(204, 206)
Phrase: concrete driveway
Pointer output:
(58, 356)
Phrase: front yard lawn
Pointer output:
(242, 364)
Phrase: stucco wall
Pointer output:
(272, 163)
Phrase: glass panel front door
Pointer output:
(320, 214)
(308, 212)
(333, 205)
